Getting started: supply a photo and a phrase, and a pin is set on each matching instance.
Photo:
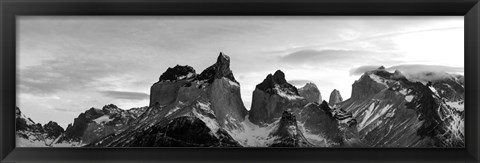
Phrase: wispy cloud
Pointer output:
(126, 95)
(409, 69)
(299, 83)
(334, 57)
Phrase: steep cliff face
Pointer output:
(203, 109)
(396, 112)
(273, 96)
(310, 92)
(335, 97)
(224, 94)
(164, 92)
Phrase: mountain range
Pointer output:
(186, 109)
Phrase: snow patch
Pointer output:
(285, 94)
(457, 105)
(232, 83)
(367, 119)
(378, 79)
(316, 139)
(103, 119)
(252, 135)
(211, 123)
(205, 107)
(434, 91)
(172, 111)
(409, 98)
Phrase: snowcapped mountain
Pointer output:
(273, 96)
(201, 110)
(206, 110)
(335, 97)
(393, 111)
(310, 92)
(31, 134)
(316, 124)
(95, 123)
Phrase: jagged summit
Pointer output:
(218, 70)
(372, 82)
(275, 83)
(310, 92)
(287, 120)
(279, 77)
(178, 73)
(335, 97)
(288, 133)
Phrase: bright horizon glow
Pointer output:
(67, 65)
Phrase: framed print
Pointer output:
(240, 81)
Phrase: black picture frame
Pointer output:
(9, 9)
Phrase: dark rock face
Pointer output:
(366, 87)
(218, 70)
(53, 130)
(193, 112)
(94, 123)
(310, 92)
(23, 123)
(165, 90)
(177, 73)
(273, 96)
(335, 97)
(288, 133)
(277, 80)
(20, 123)
(182, 132)
(76, 130)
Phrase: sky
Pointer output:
(68, 64)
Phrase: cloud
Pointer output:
(126, 95)
(299, 83)
(417, 68)
(415, 72)
(333, 57)
(362, 69)
(76, 69)
(429, 76)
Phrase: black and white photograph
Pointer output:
(240, 81)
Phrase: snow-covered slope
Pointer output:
(31, 134)
(203, 108)
(94, 124)
(393, 111)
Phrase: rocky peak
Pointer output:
(335, 97)
(288, 133)
(223, 66)
(370, 83)
(310, 92)
(273, 83)
(111, 108)
(218, 70)
(279, 77)
(52, 129)
(288, 118)
(326, 108)
(18, 113)
(177, 73)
